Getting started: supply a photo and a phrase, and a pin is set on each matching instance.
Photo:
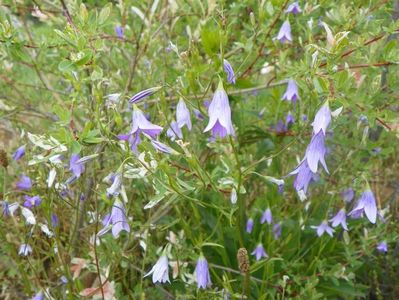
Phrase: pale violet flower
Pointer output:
(259, 252)
(366, 204)
(174, 131)
(24, 250)
(339, 219)
(294, 8)
(19, 153)
(323, 228)
(202, 273)
(160, 270)
(220, 114)
(161, 147)
(229, 71)
(322, 119)
(38, 296)
(143, 94)
(315, 152)
(291, 94)
(382, 247)
(284, 35)
(183, 115)
(303, 176)
(267, 217)
(277, 231)
(140, 124)
(116, 221)
(347, 194)
(116, 185)
(250, 225)
(24, 183)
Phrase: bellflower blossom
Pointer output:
(289, 119)
(267, 217)
(115, 187)
(316, 151)
(116, 221)
(259, 252)
(19, 153)
(339, 218)
(160, 270)
(76, 167)
(322, 228)
(161, 147)
(293, 8)
(32, 201)
(25, 250)
(183, 115)
(139, 125)
(366, 204)
(38, 296)
(277, 231)
(220, 114)
(250, 225)
(231, 78)
(54, 220)
(303, 176)
(291, 93)
(24, 183)
(119, 31)
(202, 273)
(284, 35)
(143, 94)
(322, 119)
(382, 247)
(174, 131)
(347, 194)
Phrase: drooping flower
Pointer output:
(174, 131)
(202, 273)
(32, 201)
(322, 119)
(119, 31)
(24, 183)
(233, 196)
(19, 153)
(143, 94)
(115, 221)
(198, 114)
(231, 78)
(25, 250)
(366, 204)
(315, 152)
(323, 228)
(139, 125)
(54, 220)
(382, 247)
(284, 35)
(115, 187)
(277, 231)
(339, 218)
(291, 93)
(183, 115)
(280, 128)
(38, 296)
(259, 252)
(161, 147)
(303, 176)
(293, 8)
(289, 119)
(267, 217)
(220, 114)
(76, 167)
(347, 194)
(159, 271)
(250, 225)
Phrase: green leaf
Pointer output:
(104, 14)
(66, 66)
